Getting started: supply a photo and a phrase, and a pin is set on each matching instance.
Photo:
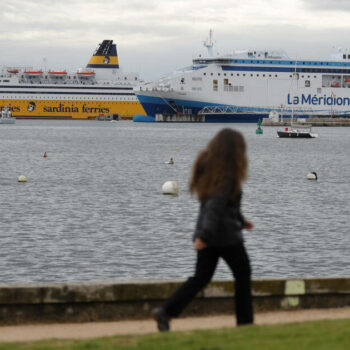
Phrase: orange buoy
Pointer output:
(45, 155)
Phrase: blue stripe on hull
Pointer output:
(157, 105)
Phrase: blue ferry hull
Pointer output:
(156, 105)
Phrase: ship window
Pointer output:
(257, 75)
(204, 73)
(276, 75)
(218, 73)
(344, 56)
(215, 85)
(251, 75)
(237, 75)
(225, 74)
(244, 75)
(307, 83)
(263, 75)
(211, 73)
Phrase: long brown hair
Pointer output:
(221, 167)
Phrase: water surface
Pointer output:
(93, 209)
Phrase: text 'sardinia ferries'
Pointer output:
(100, 89)
(248, 85)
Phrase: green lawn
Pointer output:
(323, 335)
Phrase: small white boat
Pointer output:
(300, 131)
(6, 116)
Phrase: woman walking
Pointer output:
(217, 178)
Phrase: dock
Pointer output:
(180, 118)
(313, 121)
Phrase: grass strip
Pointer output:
(320, 335)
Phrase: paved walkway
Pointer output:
(103, 329)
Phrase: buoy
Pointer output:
(170, 187)
(171, 161)
(311, 176)
(259, 130)
(45, 155)
(22, 178)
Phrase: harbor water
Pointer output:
(93, 209)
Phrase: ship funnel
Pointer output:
(105, 56)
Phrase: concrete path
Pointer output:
(103, 329)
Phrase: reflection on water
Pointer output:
(93, 209)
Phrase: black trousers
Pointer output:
(207, 259)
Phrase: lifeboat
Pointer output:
(58, 74)
(13, 71)
(86, 74)
(33, 72)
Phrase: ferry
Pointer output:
(250, 84)
(99, 89)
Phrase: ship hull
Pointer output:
(173, 105)
(70, 109)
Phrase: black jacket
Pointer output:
(220, 221)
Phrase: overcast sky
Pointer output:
(155, 37)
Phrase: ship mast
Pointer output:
(209, 44)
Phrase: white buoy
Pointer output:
(311, 176)
(22, 178)
(170, 187)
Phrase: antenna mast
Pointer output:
(209, 43)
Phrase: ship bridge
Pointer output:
(242, 54)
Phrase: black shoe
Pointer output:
(162, 319)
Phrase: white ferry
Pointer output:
(100, 89)
(250, 84)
